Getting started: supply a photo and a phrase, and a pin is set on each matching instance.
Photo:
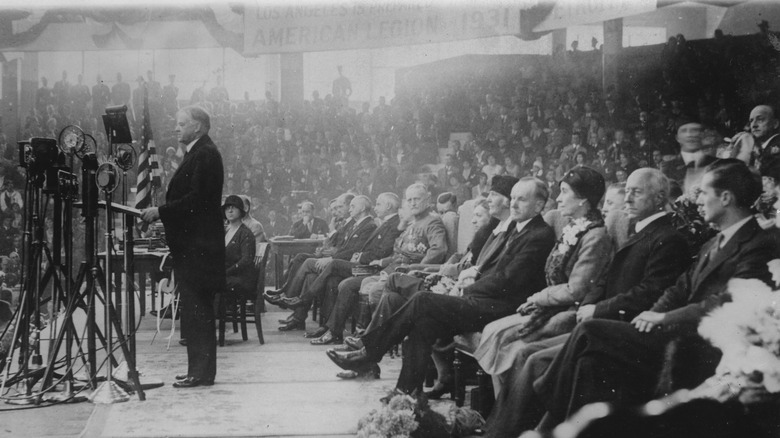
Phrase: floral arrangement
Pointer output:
(688, 221)
(747, 331)
(405, 416)
(398, 418)
(443, 285)
(572, 232)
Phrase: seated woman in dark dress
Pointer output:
(239, 249)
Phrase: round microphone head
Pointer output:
(125, 157)
(107, 177)
(71, 139)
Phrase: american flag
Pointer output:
(149, 173)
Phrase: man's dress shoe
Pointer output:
(370, 372)
(275, 292)
(326, 339)
(293, 325)
(288, 319)
(191, 382)
(353, 342)
(342, 347)
(272, 299)
(181, 376)
(316, 333)
(350, 360)
(183, 342)
(293, 302)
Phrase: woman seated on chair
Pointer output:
(578, 260)
(239, 250)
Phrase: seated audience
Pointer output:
(572, 270)
(357, 231)
(490, 291)
(636, 276)
(378, 246)
(617, 361)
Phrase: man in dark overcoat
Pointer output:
(192, 217)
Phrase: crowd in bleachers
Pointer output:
(454, 137)
(540, 124)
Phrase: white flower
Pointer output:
(767, 364)
(747, 331)
(569, 237)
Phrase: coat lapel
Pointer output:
(353, 231)
(728, 252)
(646, 231)
(494, 245)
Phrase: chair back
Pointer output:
(263, 251)
(465, 229)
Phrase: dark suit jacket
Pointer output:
(699, 289)
(301, 231)
(355, 239)
(640, 271)
(380, 243)
(192, 216)
(240, 260)
(516, 271)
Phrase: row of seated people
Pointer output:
(589, 322)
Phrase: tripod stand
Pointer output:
(27, 318)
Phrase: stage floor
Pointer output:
(286, 387)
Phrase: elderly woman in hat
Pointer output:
(239, 248)
(573, 268)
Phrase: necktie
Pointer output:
(713, 251)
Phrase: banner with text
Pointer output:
(360, 25)
(567, 13)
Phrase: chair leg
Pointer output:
(242, 313)
(222, 312)
(258, 323)
(234, 314)
(459, 384)
(486, 399)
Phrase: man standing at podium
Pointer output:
(192, 217)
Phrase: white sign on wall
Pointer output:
(360, 25)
